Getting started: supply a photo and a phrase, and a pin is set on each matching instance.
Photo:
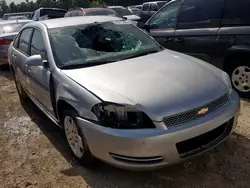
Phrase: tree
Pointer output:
(13, 7)
(3, 7)
(97, 3)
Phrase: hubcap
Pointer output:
(241, 78)
(73, 137)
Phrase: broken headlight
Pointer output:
(121, 116)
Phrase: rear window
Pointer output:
(101, 12)
(145, 7)
(11, 28)
(161, 4)
(122, 11)
(51, 13)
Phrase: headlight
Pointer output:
(121, 117)
(227, 81)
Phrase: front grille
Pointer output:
(205, 141)
(190, 115)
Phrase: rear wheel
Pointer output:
(75, 138)
(239, 72)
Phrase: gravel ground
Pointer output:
(33, 153)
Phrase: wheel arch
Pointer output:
(63, 105)
(236, 52)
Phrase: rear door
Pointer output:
(19, 56)
(234, 30)
(153, 9)
(162, 24)
(197, 27)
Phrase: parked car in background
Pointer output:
(119, 95)
(125, 13)
(134, 10)
(217, 31)
(138, 6)
(91, 12)
(18, 18)
(150, 8)
(8, 15)
(48, 13)
(8, 31)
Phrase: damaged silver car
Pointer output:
(119, 96)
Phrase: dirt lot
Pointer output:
(33, 154)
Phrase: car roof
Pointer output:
(3, 22)
(117, 7)
(88, 9)
(44, 8)
(71, 21)
(155, 2)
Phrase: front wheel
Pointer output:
(240, 78)
(75, 138)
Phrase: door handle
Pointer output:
(14, 57)
(168, 39)
(179, 39)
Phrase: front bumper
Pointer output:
(153, 148)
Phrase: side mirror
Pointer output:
(34, 60)
(124, 17)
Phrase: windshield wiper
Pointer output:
(140, 54)
(87, 64)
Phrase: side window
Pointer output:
(24, 40)
(200, 14)
(236, 13)
(74, 14)
(166, 17)
(80, 13)
(153, 7)
(145, 7)
(15, 44)
(37, 45)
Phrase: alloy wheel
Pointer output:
(241, 78)
(73, 137)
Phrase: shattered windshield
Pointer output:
(99, 43)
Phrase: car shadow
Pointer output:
(229, 163)
(5, 72)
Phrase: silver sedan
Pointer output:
(118, 95)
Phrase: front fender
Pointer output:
(75, 95)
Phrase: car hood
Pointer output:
(160, 84)
(132, 17)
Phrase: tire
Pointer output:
(84, 157)
(22, 95)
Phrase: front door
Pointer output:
(40, 75)
(197, 27)
(162, 24)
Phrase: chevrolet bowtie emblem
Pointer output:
(203, 111)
